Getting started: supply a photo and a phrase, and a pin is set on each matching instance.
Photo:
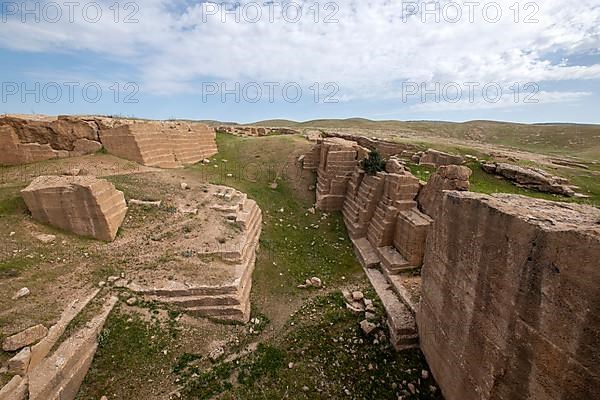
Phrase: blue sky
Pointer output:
(527, 62)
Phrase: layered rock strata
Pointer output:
(217, 283)
(84, 205)
(161, 144)
(509, 305)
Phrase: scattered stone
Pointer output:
(291, 365)
(16, 389)
(12, 234)
(358, 295)
(103, 398)
(312, 188)
(21, 293)
(131, 301)
(157, 203)
(18, 364)
(46, 238)
(112, 279)
(347, 296)
(367, 327)
(101, 284)
(316, 282)
(206, 161)
(120, 283)
(25, 338)
(216, 353)
(532, 178)
(184, 186)
(424, 374)
(274, 185)
(301, 158)
(305, 388)
(370, 316)
(312, 210)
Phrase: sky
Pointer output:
(245, 61)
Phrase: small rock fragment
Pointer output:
(358, 295)
(184, 186)
(21, 293)
(424, 374)
(131, 301)
(46, 238)
(367, 327)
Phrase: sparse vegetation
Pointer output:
(373, 164)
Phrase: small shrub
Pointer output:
(373, 164)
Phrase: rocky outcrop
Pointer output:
(509, 305)
(438, 158)
(27, 139)
(450, 177)
(160, 144)
(81, 204)
(532, 178)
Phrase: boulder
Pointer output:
(84, 205)
(439, 158)
(449, 177)
(18, 364)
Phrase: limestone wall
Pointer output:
(160, 144)
(439, 158)
(510, 299)
(81, 204)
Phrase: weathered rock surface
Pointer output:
(81, 204)
(450, 177)
(160, 144)
(439, 158)
(533, 178)
(27, 139)
(16, 389)
(18, 364)
(384, 147)
(25, 338)
(254, 131)
(61, 374)
(510, 299)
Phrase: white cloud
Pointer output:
(367, 53)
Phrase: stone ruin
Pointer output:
(161, 144)
(384, 147)
(531, 178)
(28, 139)
(46, 368)
(84, 205)
(502, 309)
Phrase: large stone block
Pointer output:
(439, 158)
(410, 235)
(450, 177)
(81, 204)
(510, 298)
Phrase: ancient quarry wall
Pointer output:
(161, 144)
(27, 139)
(338, 160)
(449, 177)
(81, 204)
(384, 147)
(510, 299)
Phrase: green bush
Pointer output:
(373, 164)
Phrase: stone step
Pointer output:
(366, 253)
(401, 321)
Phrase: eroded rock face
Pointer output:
(449, 177)
(532, 178)
(510, 299)
(81, 204)
(160, 144)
